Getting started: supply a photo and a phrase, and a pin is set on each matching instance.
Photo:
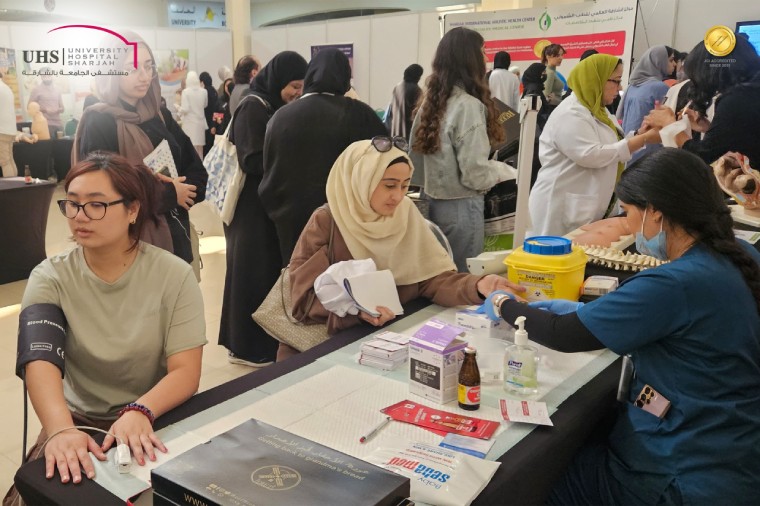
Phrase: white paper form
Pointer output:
(291, 404)
(372, 289)
(525, 411)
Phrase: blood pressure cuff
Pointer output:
(41, 336)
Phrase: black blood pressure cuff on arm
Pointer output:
(41, 336)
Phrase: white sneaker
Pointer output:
(232, 359)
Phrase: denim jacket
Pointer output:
(460, 168)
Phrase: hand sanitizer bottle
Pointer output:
(521, 364)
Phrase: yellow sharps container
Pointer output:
(549, 267)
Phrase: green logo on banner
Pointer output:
(545, 21)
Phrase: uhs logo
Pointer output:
(51, 56)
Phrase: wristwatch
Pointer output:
(497, 302)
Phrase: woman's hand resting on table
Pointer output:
(134, 429)
(68, 451)
(493, 282)
(386, 315)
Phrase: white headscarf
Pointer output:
(192, 81)
(402, 242)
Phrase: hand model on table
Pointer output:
(603, 232)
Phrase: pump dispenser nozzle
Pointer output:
(521, 335)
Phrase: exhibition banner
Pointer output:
(606, 26)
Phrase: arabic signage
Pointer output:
(197, 15)
(606, 26)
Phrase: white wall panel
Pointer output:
(302, 37)
(267, 42)
(393, 47)
(213, 49)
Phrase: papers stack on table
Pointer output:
(386, 351)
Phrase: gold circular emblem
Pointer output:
(539, 47)
(720, 40)
(276, 477)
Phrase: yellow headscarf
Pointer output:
(588, 79)
(402, 242)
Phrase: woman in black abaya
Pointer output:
(253, 252)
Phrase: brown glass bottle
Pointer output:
(468, 388)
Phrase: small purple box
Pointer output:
(437, 335)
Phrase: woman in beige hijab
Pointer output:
(373, 218)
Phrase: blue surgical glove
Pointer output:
(557, 306)
(487, 307)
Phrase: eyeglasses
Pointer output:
(149, 69)
(383, 143)
(93, 210)
(616, 81)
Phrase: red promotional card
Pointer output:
(441, 422)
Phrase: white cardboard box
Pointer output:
(435, 356)
(482, 325)
(599, 285)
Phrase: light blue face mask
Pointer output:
(656, 246)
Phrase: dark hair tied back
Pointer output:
(721, 74)
(683, 188)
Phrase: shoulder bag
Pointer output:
(274, 315)
(225, 177)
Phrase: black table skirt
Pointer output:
(524, 477)
(23, 221)
(44, 158)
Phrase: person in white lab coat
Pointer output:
(582, 151)
(194, 101)
(503, 83)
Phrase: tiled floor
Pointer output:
(216, 369)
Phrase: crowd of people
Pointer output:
(327, 182)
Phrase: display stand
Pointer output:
(529, 106)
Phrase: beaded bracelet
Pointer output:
(135, 406)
